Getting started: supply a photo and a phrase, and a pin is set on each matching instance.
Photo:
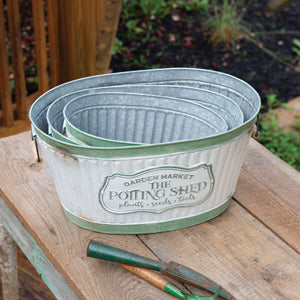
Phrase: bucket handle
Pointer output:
(35, 148)
(257, 128)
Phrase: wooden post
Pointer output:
(108, 20)
(5, 93)
(40, 44)
(17, 57)
(9, 266)
(81, 23)
(53, 36)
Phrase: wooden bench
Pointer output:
(252, 249)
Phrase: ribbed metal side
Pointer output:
(246, 105)
(79, 179)
(113, 116)
(222, 105)
(140, 125)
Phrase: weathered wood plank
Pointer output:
(5, 92)
(8, 264)
(26, 266)
(85, 34)
(270, 190)
(40, 44)
(52, 278)
(77, 38)
(17, 57)
(237, 251)
(30, 288)
(63, 243)
(19, 126)
(53, 36)
(108, 14)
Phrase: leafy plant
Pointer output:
(296, 49)
(226, 25)
(143, 19)
(273, 101)
(283, 144)
(141, 15)
(200, 6)
(118, 47)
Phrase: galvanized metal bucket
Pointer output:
(222, 105)
(120, 119)
(147, 188)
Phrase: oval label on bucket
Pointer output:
(157, 189)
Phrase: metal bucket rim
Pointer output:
(53, 129)
(46, 99)
(68, 85)
(97, 139)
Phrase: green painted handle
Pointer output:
(102, 251)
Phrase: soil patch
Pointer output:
(181, 41)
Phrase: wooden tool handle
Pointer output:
(148, 275)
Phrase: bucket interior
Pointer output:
(210, 84)
(139, 118)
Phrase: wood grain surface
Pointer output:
(246, 249)
(5, 92)
(14, 26)
(40, 44)
(270, 190)
(28, 190)
(108, 13)
(53, 36)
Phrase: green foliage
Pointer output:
(118, 47)
(226, 25)
(142, 19)
(141, 16)
(296, 49)
(273, 102)
(285, 145)
(200, 6)
(145, 9)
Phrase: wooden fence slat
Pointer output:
(84, 19)
(40, 44)
(77, 38)
(17, 57)
(65, 36)
(86, 33)
(53, 36)
(108, 14)
(81, 35)
(5, 93)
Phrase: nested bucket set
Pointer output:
(145, 151)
